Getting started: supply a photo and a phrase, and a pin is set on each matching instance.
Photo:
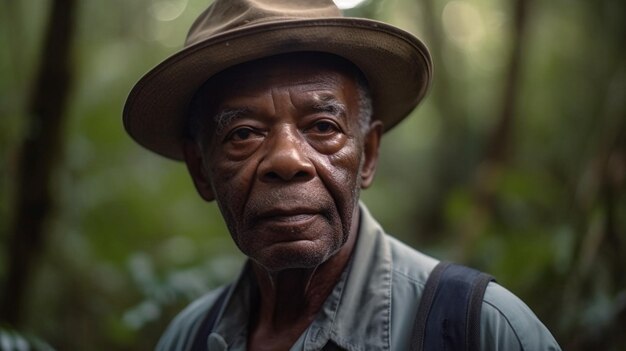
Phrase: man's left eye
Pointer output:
(324, 127)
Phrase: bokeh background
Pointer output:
(515, 164)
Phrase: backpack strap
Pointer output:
(208, 323)
(448, 316)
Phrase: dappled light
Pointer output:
(463, 23)
(167, 10)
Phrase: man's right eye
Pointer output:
(241, 134)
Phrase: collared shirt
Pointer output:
(372, 307)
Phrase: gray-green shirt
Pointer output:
(372, 307)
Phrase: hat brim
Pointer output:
(397, 66)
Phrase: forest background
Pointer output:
(515, 164)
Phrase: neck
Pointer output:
(290, 299)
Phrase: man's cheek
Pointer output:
(231, 179)
(345, 166)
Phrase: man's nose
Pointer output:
(286, 158)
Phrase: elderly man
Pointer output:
(277, 108)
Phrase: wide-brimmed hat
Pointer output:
(396, 64)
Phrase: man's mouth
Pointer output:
(294, 215)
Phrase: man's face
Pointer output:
(285, 158)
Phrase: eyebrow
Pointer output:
(226, 116)
(329, 104)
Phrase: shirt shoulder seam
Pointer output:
(508, 322)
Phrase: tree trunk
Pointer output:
(429, 221)
(501, 138)
(38, 157)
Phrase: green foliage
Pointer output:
(11, 340)
(130, 243)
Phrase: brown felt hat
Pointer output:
(396, 64)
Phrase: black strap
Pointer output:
(424, 307)
(208, 324)
(474, 310)
(448, 316)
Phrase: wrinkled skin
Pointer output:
(287, 169)
(285, 160)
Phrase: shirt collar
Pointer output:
(357, 314)
(231, 327)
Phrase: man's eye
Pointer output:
(324, 127)
(241, 134)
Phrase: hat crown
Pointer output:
(226, 15)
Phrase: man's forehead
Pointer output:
(325, 88)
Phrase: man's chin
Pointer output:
(302, 254)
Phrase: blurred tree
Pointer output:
(500, 140)
(38, 158)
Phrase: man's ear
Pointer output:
(371, 144)
(196, 169)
